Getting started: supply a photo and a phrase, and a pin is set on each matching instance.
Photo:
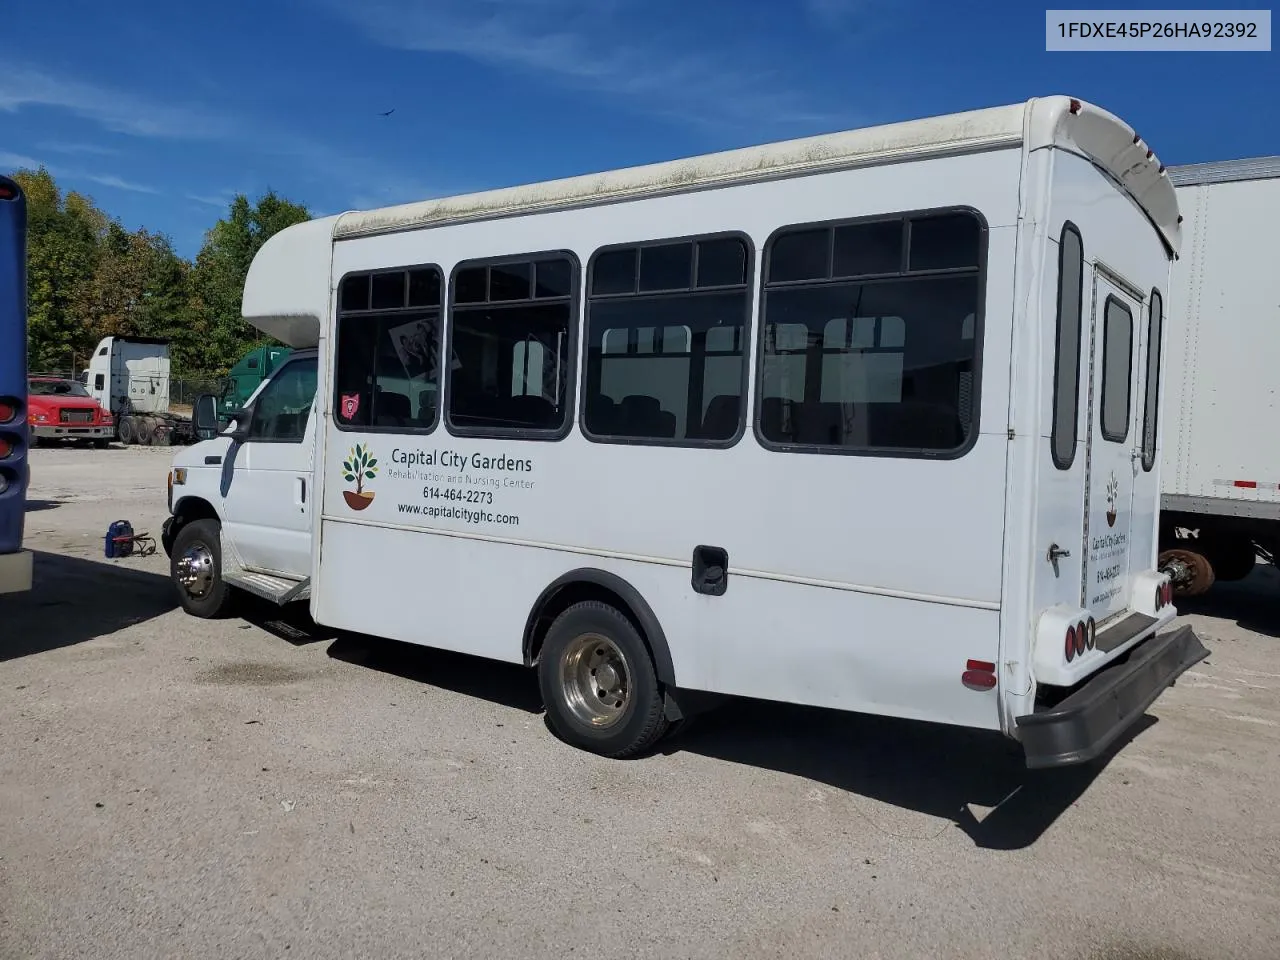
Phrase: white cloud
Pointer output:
(9, 162)
(114, 110)
(119, 111)
(118, 183)
(615, 47)
(216, 200)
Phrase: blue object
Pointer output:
(119, 540)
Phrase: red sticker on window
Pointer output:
(350, 404)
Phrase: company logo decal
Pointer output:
(359, 466)
(350, 405)
(1113, 493)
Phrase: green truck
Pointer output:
(244, 378)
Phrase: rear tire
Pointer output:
(195, 565)
(598, 683)
(126, 431)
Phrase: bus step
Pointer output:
(278, 590)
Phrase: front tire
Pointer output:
(598, 683)
(195, 565)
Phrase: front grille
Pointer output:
(75, 416)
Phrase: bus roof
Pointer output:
(288, 259)
(1043, 122)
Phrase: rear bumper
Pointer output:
(15, 572)
(1088, 721)
(71, 431)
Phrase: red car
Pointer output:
(59, 409)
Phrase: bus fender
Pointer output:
(633, 603)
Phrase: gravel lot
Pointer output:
(260, 788)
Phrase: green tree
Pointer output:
(63, 236)
(221, 267)
(139, 287)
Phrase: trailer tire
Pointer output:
(195, 566)
(598, 683)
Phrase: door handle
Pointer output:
(1056, 553)
(302, 492)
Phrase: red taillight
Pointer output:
(6, 448)
(6, 192)
(1082, 638)
(7, 411)
(1070, 648)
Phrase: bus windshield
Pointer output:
(13, 368)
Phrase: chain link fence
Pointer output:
(184, 390)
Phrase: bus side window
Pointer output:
(871, 335)
(387, 364)
(666, 334)
(510, 333)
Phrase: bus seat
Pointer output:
(720, 422)
(393, 409)
(819, 423)
(642, 416)
(602, 414)
(532, 411)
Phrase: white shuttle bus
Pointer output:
(865, 421)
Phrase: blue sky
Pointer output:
(162, 110)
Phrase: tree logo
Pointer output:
(1113, 493)
(359, 466)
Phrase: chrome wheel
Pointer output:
(195, 570)
(595, 681)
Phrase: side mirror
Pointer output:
(204, 416)
(240, 421)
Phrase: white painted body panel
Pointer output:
(1224, 343)
(856, 582)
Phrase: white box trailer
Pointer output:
(1220, 502)
(863, 421)
(130, 376)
